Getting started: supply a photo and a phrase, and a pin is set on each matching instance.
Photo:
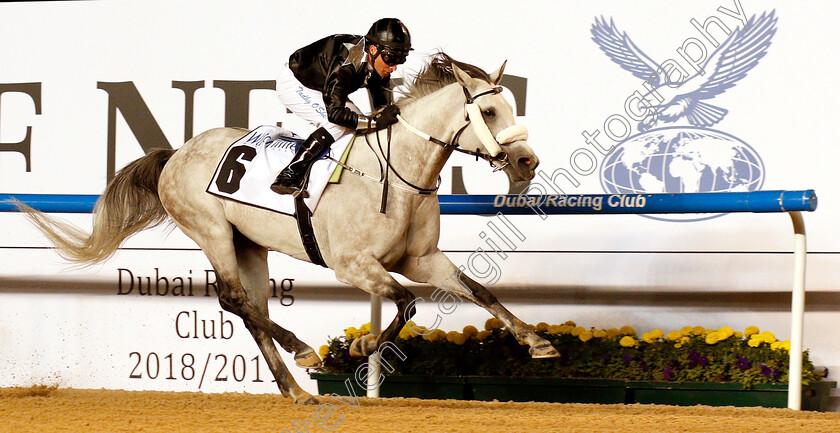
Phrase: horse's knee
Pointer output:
(231, 299)
(404, 300)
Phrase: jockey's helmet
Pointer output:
(391, 35)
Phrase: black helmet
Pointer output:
(390, 33)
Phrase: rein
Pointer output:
(472, 116)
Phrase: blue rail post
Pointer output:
(792, 202)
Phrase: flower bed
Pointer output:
(692, 354)
(596, 365)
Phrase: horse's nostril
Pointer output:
(525, 161)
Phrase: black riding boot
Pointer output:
(291, 180)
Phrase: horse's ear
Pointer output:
(496, 77)
(463, 78)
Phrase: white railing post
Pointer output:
(797, 312)
(373, 360)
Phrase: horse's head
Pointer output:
(492, 126)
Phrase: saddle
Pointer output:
(251, 164)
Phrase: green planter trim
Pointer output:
(564, 390)
(433, 387)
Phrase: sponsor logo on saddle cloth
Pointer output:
(251, 164)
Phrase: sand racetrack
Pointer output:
(80, 410)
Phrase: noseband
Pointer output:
(472, 116)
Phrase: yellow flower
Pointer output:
(577, 331)
(493, 323)
(754, 342)
(766, 336)
(554, 329)
(324, 351)
(566, 329)
(470, 331)
(781, 345)
(435, 335)
(570, 323)
(726, 332)
(686, 330)
(365, 329)
(750, 331)
(627, 330)
(713, 337)
(482, 335)
(738, 334)
(531, 327)
(612, 332)
(652, 336)
(585, 336)
(698, 330)
(599, 333)
(352, 333)
(542, 326)
(456, 337)
(674, 335)
(411, 330)
(627, 341)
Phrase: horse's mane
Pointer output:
(436, 74)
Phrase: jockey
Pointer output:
(317, 82)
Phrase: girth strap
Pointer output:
(307, 235)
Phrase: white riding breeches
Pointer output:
(308, 104)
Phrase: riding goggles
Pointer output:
(393, 58)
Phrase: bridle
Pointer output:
(472, 115)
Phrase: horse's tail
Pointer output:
(129, 204)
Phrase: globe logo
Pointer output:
(681, 159)
(667, 157)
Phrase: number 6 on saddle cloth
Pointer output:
(250, 165)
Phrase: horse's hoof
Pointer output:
(307, 358)
(363, 346)
(543, 351)
(307, 400)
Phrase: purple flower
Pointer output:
(644, 366)
(668, 373)
(695, 359)
(772, 373)
(606, 357)
(627, 358)
(743, 363)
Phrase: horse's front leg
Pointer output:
(368, 274)
(436, 269)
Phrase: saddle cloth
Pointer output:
(251, 164)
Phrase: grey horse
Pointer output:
(359, 242)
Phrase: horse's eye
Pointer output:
(489, 112)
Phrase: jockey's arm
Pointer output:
(336, 94)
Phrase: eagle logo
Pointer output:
(671, 102)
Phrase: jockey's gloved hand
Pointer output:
(386, 117)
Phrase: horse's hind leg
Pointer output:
(253, 272)
(436, 269)
(216, 239)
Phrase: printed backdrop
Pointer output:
(625, 97)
